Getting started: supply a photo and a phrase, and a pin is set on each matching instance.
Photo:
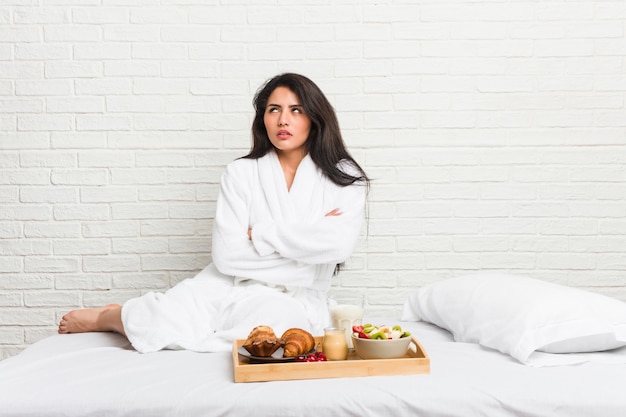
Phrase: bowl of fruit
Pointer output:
(380, 342)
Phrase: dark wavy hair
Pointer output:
(325, 144)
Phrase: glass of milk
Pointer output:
(345, 312)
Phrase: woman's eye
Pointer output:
(272, 110)
(297, 110)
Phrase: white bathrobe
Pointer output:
(279, 278)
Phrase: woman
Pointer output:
(287, 215)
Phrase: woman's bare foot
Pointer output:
(102, 319)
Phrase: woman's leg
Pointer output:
(103, 319)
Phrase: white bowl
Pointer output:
(381, 349)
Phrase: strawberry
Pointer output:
(357, 329)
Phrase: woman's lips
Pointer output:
(283, 134)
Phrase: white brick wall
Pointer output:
(495, 133)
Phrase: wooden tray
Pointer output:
(416, 361)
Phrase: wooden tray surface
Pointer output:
(416, 361)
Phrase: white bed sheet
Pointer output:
(99, 374)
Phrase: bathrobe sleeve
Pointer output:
(325, 239)
(329, 239)
(232, 251)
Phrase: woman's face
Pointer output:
(286, 123)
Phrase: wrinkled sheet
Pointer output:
(99, 374)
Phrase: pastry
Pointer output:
(262, 342)
(297, 342)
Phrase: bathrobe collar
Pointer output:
(294, 204)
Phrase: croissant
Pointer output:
(262, 341)
(297, 342)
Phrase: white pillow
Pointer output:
(520, 316)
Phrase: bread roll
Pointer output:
(262, 341)
(297, 342)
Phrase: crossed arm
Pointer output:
(279, 252)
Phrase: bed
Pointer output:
(100, 374)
